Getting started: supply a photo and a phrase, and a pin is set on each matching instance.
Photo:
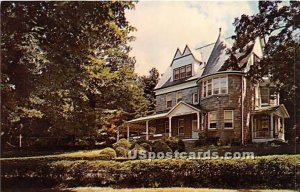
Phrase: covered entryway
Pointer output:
(267, 123)
(182, 121)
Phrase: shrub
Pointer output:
(146, 146)
(263, 172)
(108, 152)
(176, 144)
(122, 143)
(121, 152)
(160, 146)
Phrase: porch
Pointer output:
(182, 121)
(267, 124)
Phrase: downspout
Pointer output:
(242, 98)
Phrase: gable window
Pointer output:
(182, 72)
(180, 126)
(166, 126)
(228, 119)
(176, 74)
(264, 96)
(195, 98)
(212, 120)
(215, 86)
(189, 70)
(169, 100)
(178, 96)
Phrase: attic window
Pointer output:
(183, 72)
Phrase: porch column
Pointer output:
(147, 130)
(252, 121)
(283, 128)
(198, 120)
(128, 132)
(170, 127)
(272, 125)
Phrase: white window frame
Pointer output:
(261, 103)
(167, 127)
(213, 80)
(209, 120)
(169, 94)
(194, 102)
(177, 93)
(227, 121)
(178, 128)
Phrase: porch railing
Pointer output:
(262, 134)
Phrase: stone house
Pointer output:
(196, 95)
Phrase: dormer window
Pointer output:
(189, 70)
(183, 72)
(176, 74)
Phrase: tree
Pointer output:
(279, 26)
(57, 58)
(150, 82)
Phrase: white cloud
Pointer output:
(164, 26)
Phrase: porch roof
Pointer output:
(279, 110)
(186, 109)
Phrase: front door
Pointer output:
(195, 134)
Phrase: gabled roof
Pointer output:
(280, 110)
(186, 109)
(177, 54)
(217, 57)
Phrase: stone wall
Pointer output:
(230, 101)
(187, 96)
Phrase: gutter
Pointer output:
(242, 111)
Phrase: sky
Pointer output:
(164, 26)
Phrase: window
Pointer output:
(176, 74)
(212, 120)
(182, 72)
(204, 89)
(178, 96)
(215, 86)
(209, 88)
(166, 126)
(228, 119)
(264, 95)
(189, 70)
(195, 98)
(180, 126)
(169, 100)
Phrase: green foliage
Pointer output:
(149, 83)
(65, 65)
(176, 144)
(263, 172)
(160, 146)
(121, 152)
(108, 152)
(122, 143)
(146, 146)
(278, 24)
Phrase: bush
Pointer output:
(108, 152)
(263, 172)
(146, 146)
(160, 146)
(121, 152)
(122, 143)
(176, 144)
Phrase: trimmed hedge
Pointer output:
(263, 172)
(122, 143)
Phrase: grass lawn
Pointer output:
(100, 189)
(95, 189)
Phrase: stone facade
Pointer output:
(187, 96)
(230, 101)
